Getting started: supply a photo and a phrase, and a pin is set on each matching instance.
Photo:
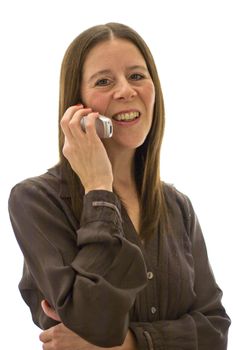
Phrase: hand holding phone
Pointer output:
(103, 126)
(89, 160)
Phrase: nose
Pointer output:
(124, 91)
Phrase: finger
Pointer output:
(67, 117)
(48, 346)
(90, 121)
(46, 336)
(49, 311)
(75, 122)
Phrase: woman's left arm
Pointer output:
(61, 338)
(205, 324)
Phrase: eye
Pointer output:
(136, 76)
(102, 82)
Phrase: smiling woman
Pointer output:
(118, 256)
(124, 92)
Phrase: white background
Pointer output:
(192, 45)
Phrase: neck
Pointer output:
(122, 161)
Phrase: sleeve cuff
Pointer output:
(146, 336)
(143, 338)
(101, 205)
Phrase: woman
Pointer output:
(114, 257)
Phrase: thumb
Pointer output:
(49, 311)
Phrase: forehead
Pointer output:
(117, 52)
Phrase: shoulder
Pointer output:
(175, 197)
(48, 184)
(179, 206)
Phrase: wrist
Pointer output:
(130, 342)
(96, 188)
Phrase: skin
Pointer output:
(125, 85)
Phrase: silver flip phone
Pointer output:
(103, 126)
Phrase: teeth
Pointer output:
(126, 116)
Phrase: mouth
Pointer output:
(126, 116)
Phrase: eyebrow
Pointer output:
(107, 71)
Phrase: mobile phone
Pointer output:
(103, 126)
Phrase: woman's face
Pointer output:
(116, 83)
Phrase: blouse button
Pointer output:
(153, 310)
(150, 275)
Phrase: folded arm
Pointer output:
(90, 277)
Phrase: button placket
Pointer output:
(150, 277)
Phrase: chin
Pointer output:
(126, 143)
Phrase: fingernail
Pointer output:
(79, 105)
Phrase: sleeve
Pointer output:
(205, 325)
(94, 293)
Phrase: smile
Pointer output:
(125, 117)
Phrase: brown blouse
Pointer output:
(102, 280)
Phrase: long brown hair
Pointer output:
(147, 156)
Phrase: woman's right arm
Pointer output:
(95, 291)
